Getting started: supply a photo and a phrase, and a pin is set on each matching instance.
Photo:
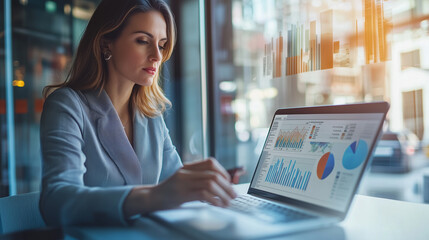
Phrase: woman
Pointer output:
(107, 155)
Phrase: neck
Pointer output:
(120, 95)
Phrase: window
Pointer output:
(40, 56)
(272, 54)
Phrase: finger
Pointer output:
(227, 187)
(216, 184)
(209, 164)
(203, 177)
(206, 196)
(203, 182)
(214, 190)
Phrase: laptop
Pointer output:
(308, 172)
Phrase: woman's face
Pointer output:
(137, 52)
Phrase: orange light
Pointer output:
(18, 83)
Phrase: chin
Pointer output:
(145, 83)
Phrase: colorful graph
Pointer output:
(325, 165)
(291, 139)
(355, 154)
(312, 46)
(288, 176)
(320, 147)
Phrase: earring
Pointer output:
(107, 55)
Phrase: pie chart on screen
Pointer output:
(355, 154)
(325, 165)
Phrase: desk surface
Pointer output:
(369, 218)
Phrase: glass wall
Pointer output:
(273, 54)
(44, 37)
(183, 83)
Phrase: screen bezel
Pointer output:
(359, 108)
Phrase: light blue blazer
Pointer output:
(89, 166)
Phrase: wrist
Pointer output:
(138, 201)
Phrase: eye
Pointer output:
(141, 41)
(161, 48)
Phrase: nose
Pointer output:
(156, 54)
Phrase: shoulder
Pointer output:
(63, 94)
(63, 102)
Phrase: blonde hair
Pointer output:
(89, 70)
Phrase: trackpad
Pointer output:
(212, 221)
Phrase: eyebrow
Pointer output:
(150, 35)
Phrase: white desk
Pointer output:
(379, 218)
(369, 218)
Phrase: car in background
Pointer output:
(394, 152)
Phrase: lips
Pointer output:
(150, 70)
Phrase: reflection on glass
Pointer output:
(43, 36)
(312, 53)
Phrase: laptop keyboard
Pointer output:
(267, 211)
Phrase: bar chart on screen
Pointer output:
(289, 174)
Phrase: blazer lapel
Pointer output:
(140, 135)
(113, 138)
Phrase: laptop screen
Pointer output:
(316, 158)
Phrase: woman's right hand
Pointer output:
(206, 180)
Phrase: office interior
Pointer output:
(234, 64)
